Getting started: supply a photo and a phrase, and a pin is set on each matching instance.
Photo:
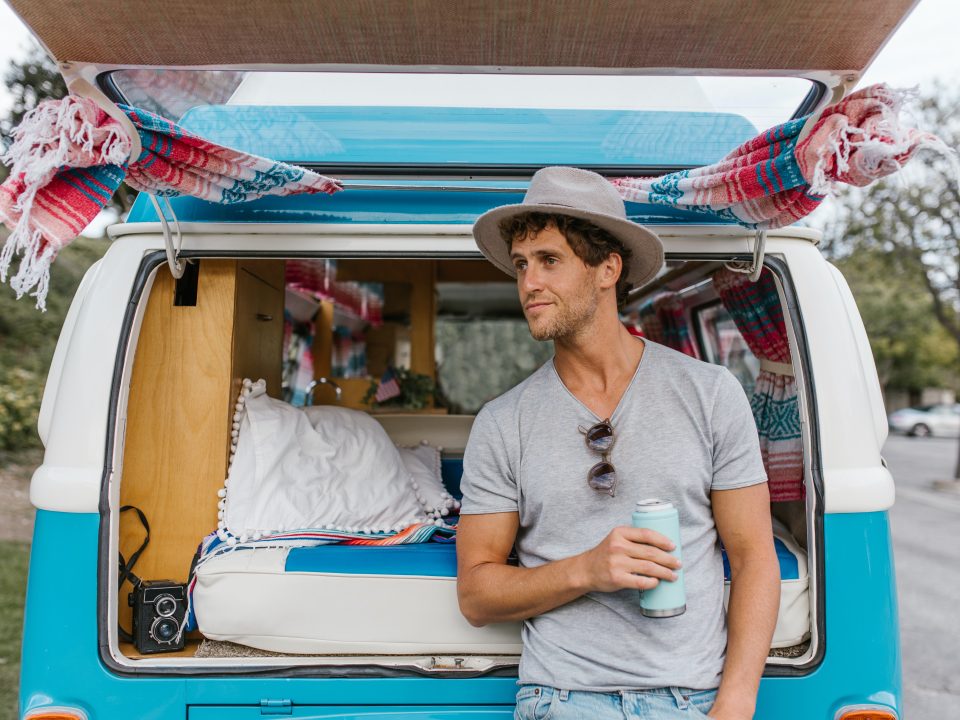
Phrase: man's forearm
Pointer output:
(493, 592)
(751, 620)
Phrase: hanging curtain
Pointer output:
(664, 321)
(756, 310)
(776, 178)
(68, 157)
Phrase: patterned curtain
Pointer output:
(664, 321)
(755, 308)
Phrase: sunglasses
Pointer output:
(602, 476)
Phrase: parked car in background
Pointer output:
(939, 420)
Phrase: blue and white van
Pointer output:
(429, 115)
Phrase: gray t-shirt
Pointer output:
(682, 428)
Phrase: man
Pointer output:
(683, 432)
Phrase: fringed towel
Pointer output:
(68, 157)
(774, 180)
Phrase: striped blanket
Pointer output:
(776, 178)
(68, 157)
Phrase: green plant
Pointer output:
(415, 391)
(20, 394)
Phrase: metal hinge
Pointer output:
(276, 707)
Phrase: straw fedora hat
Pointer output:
(580, 194)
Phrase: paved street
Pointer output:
(926, 538)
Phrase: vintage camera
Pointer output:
(159, 612)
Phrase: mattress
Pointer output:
(793, 618)
(337, 599)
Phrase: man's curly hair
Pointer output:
(590, 243)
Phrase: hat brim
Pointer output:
(647, 249)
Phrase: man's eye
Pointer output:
(552, 261)
(520, 265)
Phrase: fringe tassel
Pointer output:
(877, 152)
(53, 135)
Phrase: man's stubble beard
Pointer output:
(569, 319)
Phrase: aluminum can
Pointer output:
(668, 598)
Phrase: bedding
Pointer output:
(318, 468)
(338, 599)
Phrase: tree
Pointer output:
(913, 218)
(30, 81)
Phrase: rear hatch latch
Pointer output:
(276, 707)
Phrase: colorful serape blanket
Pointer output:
(69, 156)
(774, 180)
(756, 309)
(663, 320)
(220, 542)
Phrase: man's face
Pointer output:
(557, 289)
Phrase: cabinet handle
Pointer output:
(263, 317)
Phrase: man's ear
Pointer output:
(609, 270)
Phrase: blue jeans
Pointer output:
(539, 702)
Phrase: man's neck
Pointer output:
(600, 359)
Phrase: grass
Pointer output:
(13, 584)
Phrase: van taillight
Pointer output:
(862, 713)
(56, 713)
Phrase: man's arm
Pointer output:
(743, 521)
(491, 591)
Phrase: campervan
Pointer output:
(428, 118)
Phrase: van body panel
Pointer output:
(854, 477)
(58, 670)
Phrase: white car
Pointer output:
(940, 420)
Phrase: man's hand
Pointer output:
(629, 558)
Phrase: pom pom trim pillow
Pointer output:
(316, 468)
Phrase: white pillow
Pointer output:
(320, 467)
(423, 464)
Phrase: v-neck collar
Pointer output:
(647, 347)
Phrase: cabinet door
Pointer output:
(258, 331)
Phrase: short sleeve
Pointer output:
(737, 461)
(488, 483)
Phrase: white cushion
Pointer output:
(311, 468)
(423, 463)
(248, 597)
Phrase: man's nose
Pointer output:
(530, 280)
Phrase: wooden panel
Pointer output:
(258, 339)
(421, 276)
(270, 271)
(175, 452)
(471, 271)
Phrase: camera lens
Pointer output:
(166, 606)
(164, 630)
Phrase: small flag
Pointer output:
(389, 387)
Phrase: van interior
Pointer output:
(324, 332)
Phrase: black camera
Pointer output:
(159, 612)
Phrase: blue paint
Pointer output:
(61, 664)
(454, 137)
(426, 559)
(471, 136)
(789, 568)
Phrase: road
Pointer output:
(926, 540)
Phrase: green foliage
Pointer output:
(13, 582)
(898, 243)
(415, 391)
(20, 395)
(28, 338)
(911, 350)
(29, 81)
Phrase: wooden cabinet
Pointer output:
(187, 371)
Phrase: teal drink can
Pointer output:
(667, 599)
